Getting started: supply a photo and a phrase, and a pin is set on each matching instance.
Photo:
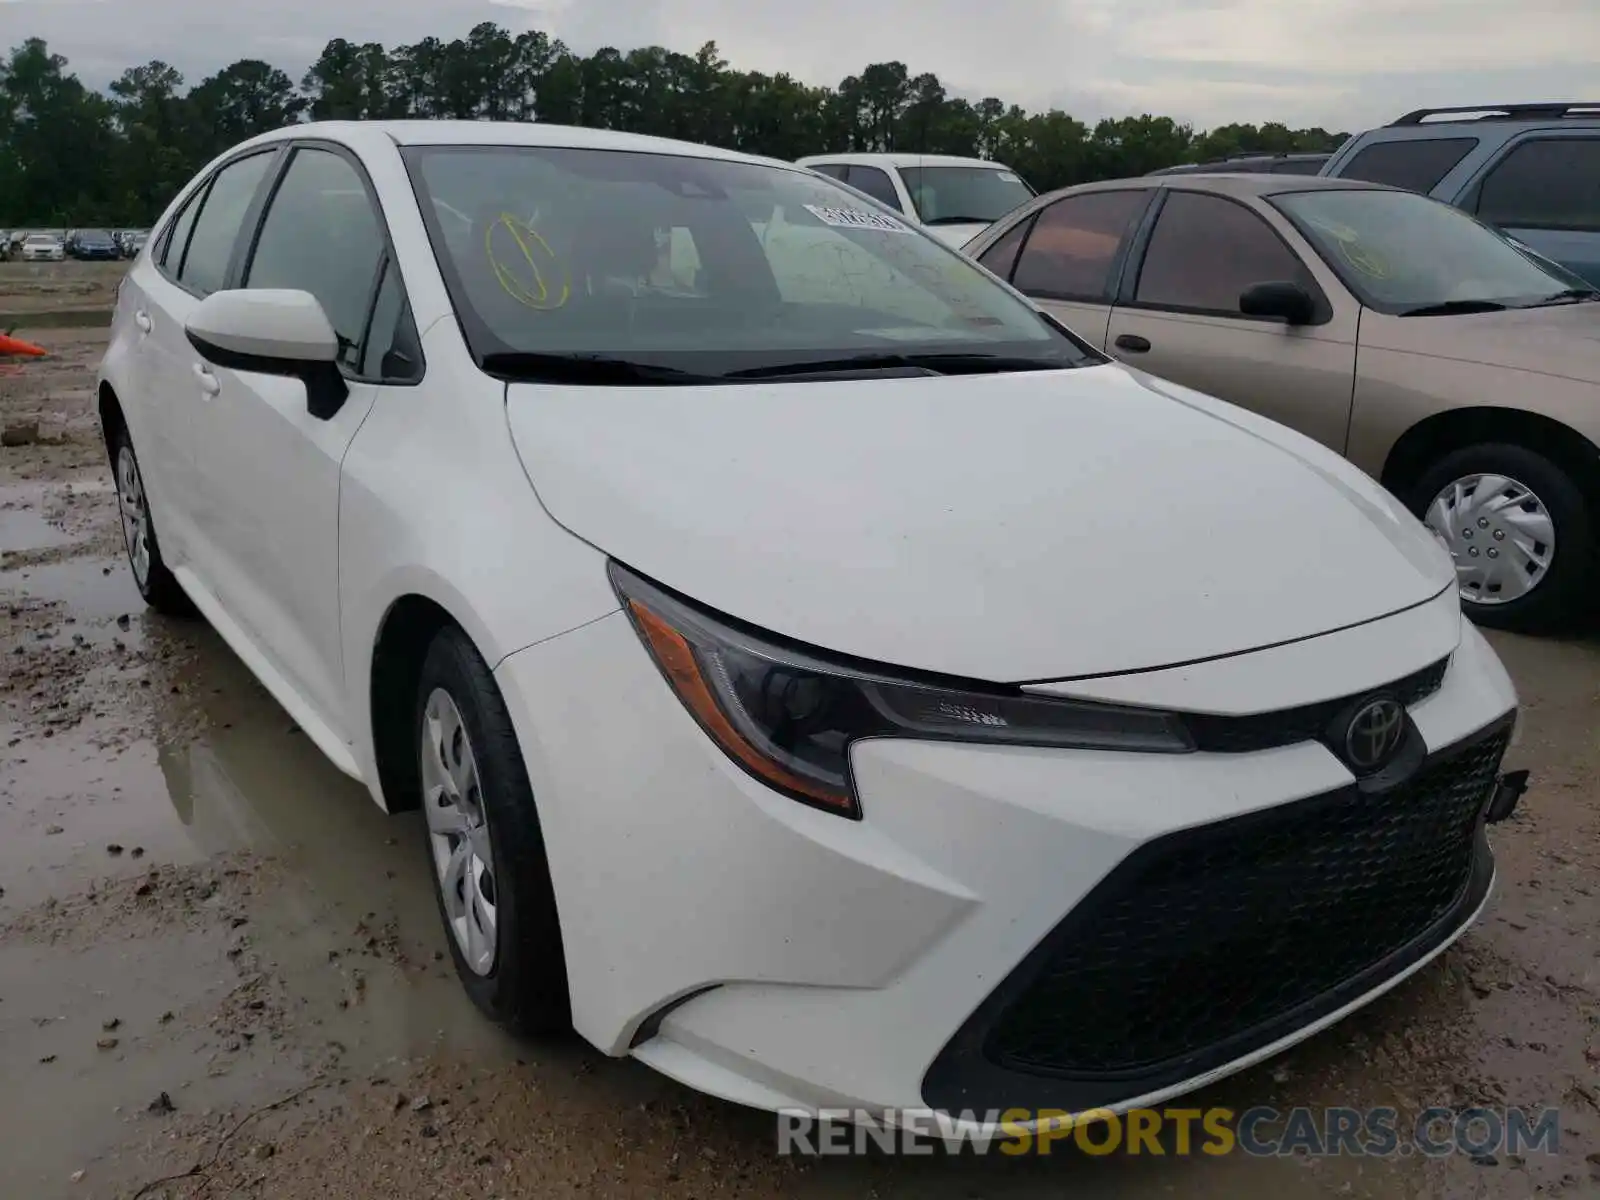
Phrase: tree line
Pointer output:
(72, 155)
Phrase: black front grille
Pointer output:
(1306, 723)
(1204, 936)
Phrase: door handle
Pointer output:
(209, 384)
(1132, 343)
(142, 320)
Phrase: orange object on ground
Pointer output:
(11, 345)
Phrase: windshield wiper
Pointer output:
(937, 364)
(960, 221)
(1572, 295)
(599, 369)
(1451, 307)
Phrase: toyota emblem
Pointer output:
(1374, 734)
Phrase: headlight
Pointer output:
(788, 716)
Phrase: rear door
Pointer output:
(1178, 317)
(1068, 259)
(271, 469)
(1544, 189)
(193, 260)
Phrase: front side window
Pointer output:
(322, 235)
(1406, 254)
(874, 183)
(1551, 183)
(1206, 251)
(204, 268)
(964, 195)
(1416, 164)
(1074, 245)
(699, 265)
(1002, 256)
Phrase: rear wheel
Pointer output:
(491, 877)
(161, 591)
(1521, 532)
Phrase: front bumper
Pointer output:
(781, 957)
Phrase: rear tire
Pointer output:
(491, 876)
(1535, 521)
(158, 586)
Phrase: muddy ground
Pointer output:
(219, 961)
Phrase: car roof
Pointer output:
(503, 133)
(865, 158)
(1232, 184)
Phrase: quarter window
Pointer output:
(1416, 164)
(876, 184)
(178, 239)
(1074, 245)
(1552, 183)
(1002, 256)
(1205, 251)
(204, 265)
(321, 235)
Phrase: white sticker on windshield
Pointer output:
(1008, 177)
(856, 218)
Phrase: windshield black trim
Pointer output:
(1347, 278)
(485, 346)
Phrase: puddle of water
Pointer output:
(92, 589)
(24, 529)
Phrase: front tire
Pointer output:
(491, 876)
(156, 583)
(1521, 532)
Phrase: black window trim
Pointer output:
(201, 196)
(1117, 268)
(255, 221)
(1139, 250)
(1472, 202)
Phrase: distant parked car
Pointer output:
(95, 245)
(134, 242)
(1252, 164)
(954, 198)
(42, 247)
(1441, 357)
(1533, 170)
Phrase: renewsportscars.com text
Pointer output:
(1260, 1132)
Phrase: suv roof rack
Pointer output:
(1506, 112)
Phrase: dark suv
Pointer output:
(1533, 170)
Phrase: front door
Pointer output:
(1181, 320)
(1068, 259)
(268, 466)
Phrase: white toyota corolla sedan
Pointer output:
(826, 679)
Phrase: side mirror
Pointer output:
(1286, 302)
(272, 332)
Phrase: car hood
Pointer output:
(1558, 339)
(956, 236)
(1011, 527)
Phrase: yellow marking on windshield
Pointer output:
(538, 296)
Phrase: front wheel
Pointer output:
(1521, 532)
(491, 877)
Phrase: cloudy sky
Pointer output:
(1337, 63)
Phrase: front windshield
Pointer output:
(700, 265)
(963, 195)
(1401, 252)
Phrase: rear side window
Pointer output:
(874, 183)
(1552, 183)
(216, 230)
(1298, 166)
(1416, 164)
(1074, 244)
(1002, 256)
(831, 170)
(178, 240)
(1205, 251)
(321, 235)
